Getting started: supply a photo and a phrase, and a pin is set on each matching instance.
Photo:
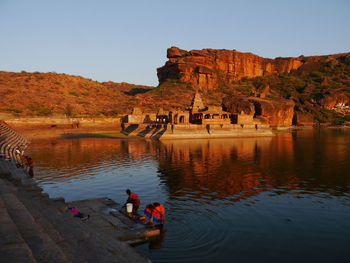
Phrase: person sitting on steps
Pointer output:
(77, 213)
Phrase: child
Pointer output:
(77, 213)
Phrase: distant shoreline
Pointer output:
(46, 128)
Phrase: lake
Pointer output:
(282, 198)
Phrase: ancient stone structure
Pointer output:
(206, 69)
(198, 121)
(138, 116)
(196, 114)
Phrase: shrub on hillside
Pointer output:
(38, 110)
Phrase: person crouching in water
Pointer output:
(154, 214)
(158, 214)
(134, 199)
(147, 217)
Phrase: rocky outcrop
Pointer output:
(278, 112)
(205, 69)
(238, 105)
(272, 112)
(303, 119)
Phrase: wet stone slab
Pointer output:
(108, 215)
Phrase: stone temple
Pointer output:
(198, 121)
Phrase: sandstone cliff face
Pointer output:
(205, 69)
(238, 105)
(273, 112)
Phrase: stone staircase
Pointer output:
(35, 228)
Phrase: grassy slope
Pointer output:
(44, 94)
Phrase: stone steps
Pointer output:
(43, 248)
(35, 228)
(13, 248)
(49, 233)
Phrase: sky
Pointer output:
(126, 41)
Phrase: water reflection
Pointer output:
(302, 160)
(263, 199)
(213, 168)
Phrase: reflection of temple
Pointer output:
(198, 121)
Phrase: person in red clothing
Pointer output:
(158, 214)
(134, 199)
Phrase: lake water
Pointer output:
(276, 199)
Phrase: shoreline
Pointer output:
(45, 128)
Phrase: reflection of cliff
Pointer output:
(321, 159)
(315, 160)
(304, 160)
(225, 167)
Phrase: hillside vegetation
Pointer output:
(46, 94)
(318, 87)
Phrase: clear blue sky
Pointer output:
(127, 40)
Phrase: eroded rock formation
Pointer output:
(273, 112)
(205, 69)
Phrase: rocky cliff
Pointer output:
(206, 69)
(273, 112)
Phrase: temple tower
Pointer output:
(197, 103)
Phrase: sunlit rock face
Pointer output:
(205, 69)
(277, 112)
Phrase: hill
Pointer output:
(316, 87)
(44, 94)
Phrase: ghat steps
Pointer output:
(35, 228)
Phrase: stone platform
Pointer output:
(195, 131)
(107, 215)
